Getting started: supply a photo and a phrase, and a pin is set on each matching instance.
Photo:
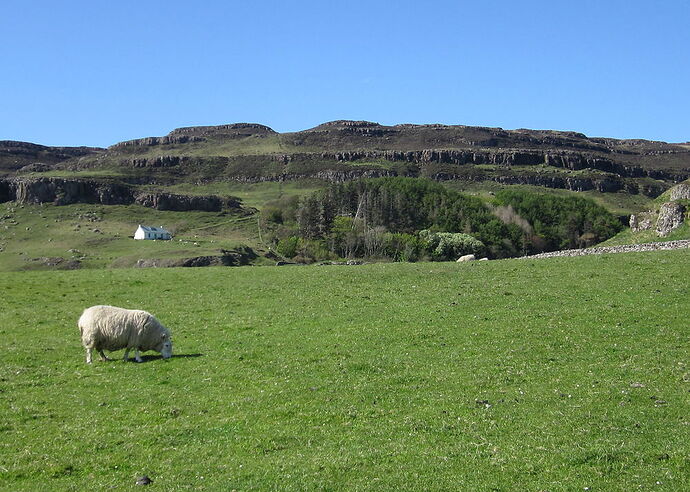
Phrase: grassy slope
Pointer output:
(616, 203)
(50, 231)
(252, 194)
(516, 374)
(628, 237)
(53, 232)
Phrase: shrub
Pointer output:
(403, 247)
(449, 245)
(287, 247)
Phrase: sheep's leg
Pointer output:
(103, 356)
(126, 357)
(88, 355)
(137, 357)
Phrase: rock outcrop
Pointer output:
(232, 130)
(183, 203)
(642, 221)
(671, 216)
(61, 191)
(573, 161)
(603, 183)
(65, 191)
(239, 257)
(192, 134)
(681, 192)
(150, 141)
(158, 161)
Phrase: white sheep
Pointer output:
(113, 328)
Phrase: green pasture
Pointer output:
(563, 374)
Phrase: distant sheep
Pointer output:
(113, 328)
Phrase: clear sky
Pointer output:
(78, 72)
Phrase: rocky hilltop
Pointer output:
(192, 134)
(341, 150)
(16, 155)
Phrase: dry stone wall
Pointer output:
(628, 248)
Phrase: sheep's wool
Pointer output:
(113, 328)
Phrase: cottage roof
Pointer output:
(153, 229)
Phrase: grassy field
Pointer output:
(562, 374)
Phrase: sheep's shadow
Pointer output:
(151, 358)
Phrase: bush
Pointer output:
(450, 246)
(281, 211)
(309, 251)
(403, 247)
(288, 247)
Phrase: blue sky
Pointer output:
(98, 72)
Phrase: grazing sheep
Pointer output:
(114, 328)
(466, 258)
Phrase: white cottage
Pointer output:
(147, 232)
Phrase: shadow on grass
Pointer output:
(151, 358)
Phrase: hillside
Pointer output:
(343, 150)
(209, 183)
(37, 158)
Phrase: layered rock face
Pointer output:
(182, 203)
(64, 191)
(158, 161)
(149, 141)
(342, 150)
(566, 160)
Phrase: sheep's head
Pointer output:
(165, 346)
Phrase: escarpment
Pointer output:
(59, 191)
(343, 150)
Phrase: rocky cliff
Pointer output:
(60, 191)
(342, 150)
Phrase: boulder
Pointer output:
(641, 222)
(671, 216)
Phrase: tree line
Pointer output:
(411, 219)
